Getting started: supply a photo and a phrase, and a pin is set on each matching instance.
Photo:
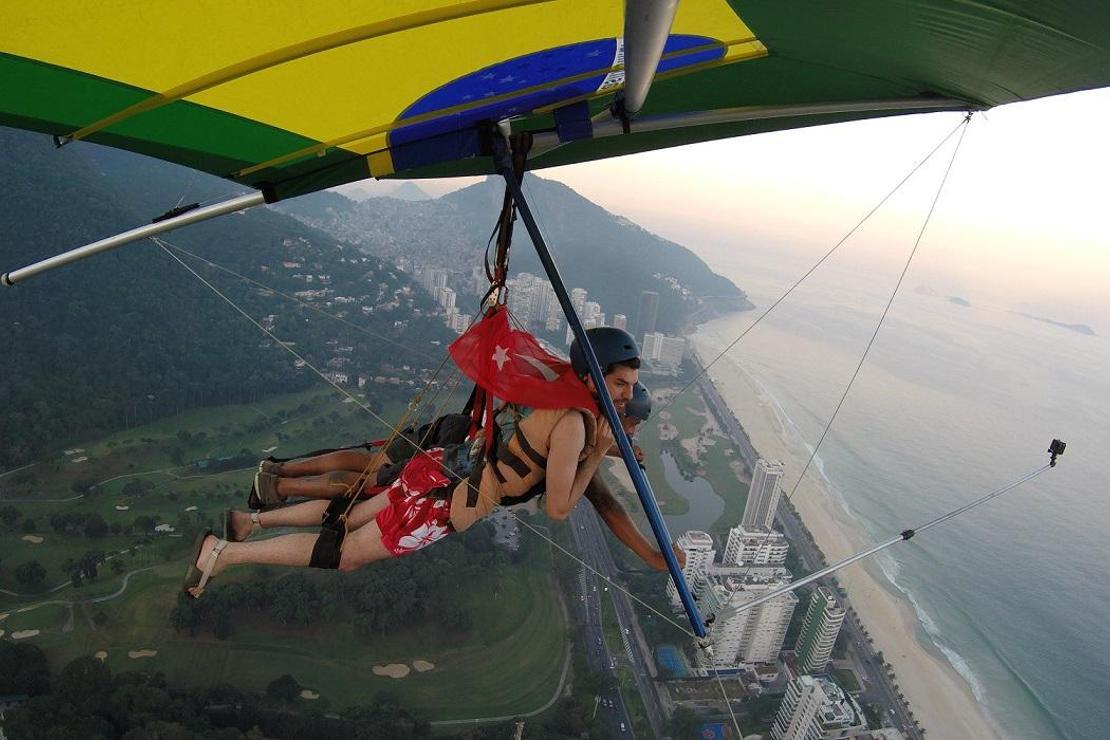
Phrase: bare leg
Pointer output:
(307, 514)
(327, 486)
(361, 546)
(353, 460)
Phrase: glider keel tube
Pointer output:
(142, 232)
(639, 480)
(647, 24)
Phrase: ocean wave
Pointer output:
(932, 630)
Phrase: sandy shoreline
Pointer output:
(938, 695)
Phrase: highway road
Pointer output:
(637, 656)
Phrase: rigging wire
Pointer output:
(867, 349)
(396, 431)
(962, 128)
(886, 310)
(859, 224)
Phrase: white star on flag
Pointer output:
(500, 356)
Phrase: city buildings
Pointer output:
(741, 638)
(700, 552)
(763, 496)
(819, 631)
(649, 307)
(662, 350)
(815, 708)
(758, 547)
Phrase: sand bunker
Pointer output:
(4, 616)
(24, 634)
(393, 670)
(309, 694)
(34, 539)
(191, 508)
(142, 654)
(101, 655)
(423, 665)
(122, 507)
(81, 459)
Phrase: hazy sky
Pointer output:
(1024, 217)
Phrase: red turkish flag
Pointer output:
(511, 365)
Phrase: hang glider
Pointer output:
(290, 98)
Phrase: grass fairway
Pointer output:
(720, 463)
(509, 662)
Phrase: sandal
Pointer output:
(196, 579)
(270, 465)
(256, 526)
(264, 495)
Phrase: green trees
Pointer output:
(9, 515)
(31, 575)
(284, 689)
(85, 700)
(23, 669)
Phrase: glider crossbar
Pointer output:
(142, 232)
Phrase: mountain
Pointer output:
(129, 335)
(409, 191)
(611, 257)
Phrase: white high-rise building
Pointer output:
(578, 299)
(620, 321)
(671, 351)
(663, 350)
(815, 708)
(447, 299)
(759, 547)
(653, 343)
(819, 631)
(433, 278)
(752, 636)
(699, 550)
(763, 496)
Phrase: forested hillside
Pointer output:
(129, 336)
(611, 257)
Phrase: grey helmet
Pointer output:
(640, 405)
(611, 345)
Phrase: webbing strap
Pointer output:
(328, 451)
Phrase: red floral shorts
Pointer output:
(413, 520)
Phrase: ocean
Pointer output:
(953, 402)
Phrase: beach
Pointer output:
(938, 695)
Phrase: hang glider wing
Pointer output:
(293, 97)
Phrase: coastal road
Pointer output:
(879, 688)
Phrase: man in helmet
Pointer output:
(561, 447)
